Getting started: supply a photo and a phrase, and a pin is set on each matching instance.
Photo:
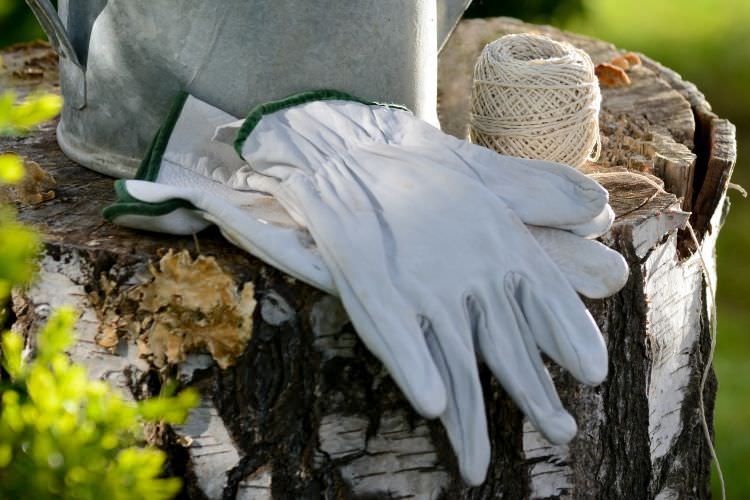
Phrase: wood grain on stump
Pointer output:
(306, 412)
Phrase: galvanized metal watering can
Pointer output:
(123, 61)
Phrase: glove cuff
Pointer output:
(261, 110)
(125, 203)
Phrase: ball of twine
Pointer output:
(536, 98)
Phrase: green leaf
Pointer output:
(173, 410)
(136, 470)
(11, 168)
(12, 345)
(19, 247)
(65, 436)
(6, 454)
(57, 334)
(7, 99)
(20, 117)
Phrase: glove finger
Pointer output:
(542, 193)
(595, 227)
(284, 248)
(464, 418)
(390, 331)
(559, 322)
(508, 348)
(381, 317)
(593, 269)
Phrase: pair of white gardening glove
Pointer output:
(440, 250)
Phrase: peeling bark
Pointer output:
(211, 450)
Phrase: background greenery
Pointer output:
(63, 436)
(708, 41)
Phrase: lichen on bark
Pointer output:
(187, 305)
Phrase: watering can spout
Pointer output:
(449, 13)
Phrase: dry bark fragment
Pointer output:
(195, 305)
(35, 187)
(620, 62)
(611, 76)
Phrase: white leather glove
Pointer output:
(372, 220)
(432, 266)
(188, 182)
(192, 164)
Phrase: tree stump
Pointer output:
(305, 411)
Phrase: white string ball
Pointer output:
(537, 98)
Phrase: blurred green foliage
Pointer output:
(61, 434)
(708, 41)
(17, 117)
(19, 244)
(16, 23)
(65, 436)
(547, 11)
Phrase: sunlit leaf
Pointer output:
(57, 334)
(7, 99)
(19, 247)
(11, 168)
(12, 345)
(6, 454)
(169, 409)
(61, 434)
(19, 117)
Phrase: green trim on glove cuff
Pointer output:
(149, 168)
(126, 204)
(294, 100)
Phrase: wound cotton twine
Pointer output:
(536, 98)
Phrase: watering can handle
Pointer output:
(449, 13)
(75, 79)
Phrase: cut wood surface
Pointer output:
(306, 412)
